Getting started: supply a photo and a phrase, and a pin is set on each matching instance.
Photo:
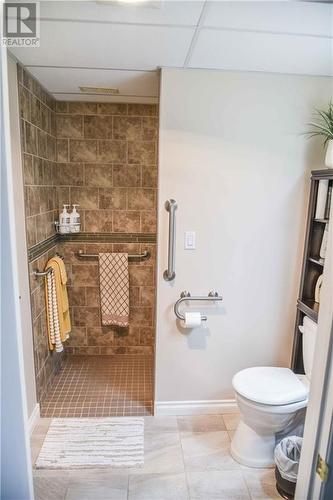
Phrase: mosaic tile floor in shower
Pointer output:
(101, 386)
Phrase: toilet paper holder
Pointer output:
(186, 296)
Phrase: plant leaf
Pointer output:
(324, 126)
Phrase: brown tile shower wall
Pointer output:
(88, 335)
(47, 363)
(38, 143)
(103, 157)
(107, 163)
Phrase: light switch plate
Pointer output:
(190, 240)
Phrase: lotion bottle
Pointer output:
(75, 219)
(64, 220)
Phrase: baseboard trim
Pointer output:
(33, 419)
(203, 407)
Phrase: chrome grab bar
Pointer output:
(81, 255)
(170, 274)
(184, 296)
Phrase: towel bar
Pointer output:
(184, 296)
(144, 255)
(38, 274)
(42, 273)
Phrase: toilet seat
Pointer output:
(270, 386)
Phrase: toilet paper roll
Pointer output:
(192, 319)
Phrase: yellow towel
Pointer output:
(60, 275)
(62, 269)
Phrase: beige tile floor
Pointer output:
(185, 458)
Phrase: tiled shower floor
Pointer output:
(101, 386)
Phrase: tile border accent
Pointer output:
(42, 247)
(39, 249)
(109, 237)
(200, 407)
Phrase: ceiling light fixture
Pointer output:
(99, 90)
(153, 4)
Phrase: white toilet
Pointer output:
(270, 399)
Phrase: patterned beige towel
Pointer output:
(114, 288)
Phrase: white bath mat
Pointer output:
(75, 443)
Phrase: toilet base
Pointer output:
(252, 449)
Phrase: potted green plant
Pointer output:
(324, 128)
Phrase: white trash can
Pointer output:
(287, 456)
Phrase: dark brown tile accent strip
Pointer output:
(42, 247)
(39, 249)
(110, 237)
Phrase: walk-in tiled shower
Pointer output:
(102, 156)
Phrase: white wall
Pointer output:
(16, 469)
(233, 157)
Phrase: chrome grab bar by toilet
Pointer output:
(81, 255)
(184, 296)
(170, 274)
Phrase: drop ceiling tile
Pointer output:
(286, 17)
(76, 44)
(68, 80)
(164, 12)
(262, 52)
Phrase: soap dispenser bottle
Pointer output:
(75, 220)
(64, 221)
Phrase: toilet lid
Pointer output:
(269, 385)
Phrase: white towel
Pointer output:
(53, 317)
(321, 199)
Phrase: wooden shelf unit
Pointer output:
(312, 267)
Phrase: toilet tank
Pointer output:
(309, 335)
